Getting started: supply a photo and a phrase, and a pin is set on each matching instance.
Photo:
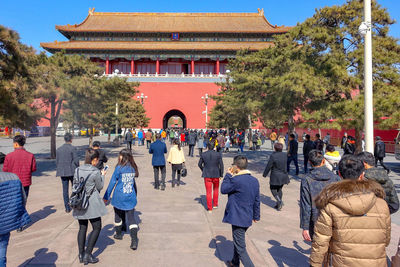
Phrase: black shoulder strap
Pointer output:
(79, 178)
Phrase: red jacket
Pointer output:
(22, 163)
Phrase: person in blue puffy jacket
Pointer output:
(13, 214)
(124, 198)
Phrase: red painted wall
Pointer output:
(185, 97)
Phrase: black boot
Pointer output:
(279, 203)
(118, 232)
(81, 257)
(88, 258)
(134, 238)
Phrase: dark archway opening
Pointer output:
(174, 119)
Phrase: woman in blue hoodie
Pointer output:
(124, 198)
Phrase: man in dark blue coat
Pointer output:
(13, 214)
(319, 177)
(67, 161)
(243, 207)
(158, 149)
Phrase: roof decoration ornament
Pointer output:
(91, 11)
(261, 11)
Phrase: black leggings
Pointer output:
(176, 171)
(276, 191)
(94, 235)
(121, 216)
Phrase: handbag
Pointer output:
(79, 199)
(184, 170)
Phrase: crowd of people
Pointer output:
(345, 200)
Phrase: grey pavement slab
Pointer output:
(175, 228)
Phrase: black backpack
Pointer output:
(79, 199)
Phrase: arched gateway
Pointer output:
(174, 113)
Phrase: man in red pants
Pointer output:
(212, 168)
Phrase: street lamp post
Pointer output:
(116, 122)
(205, 98)
(141, 98)
(365, 29)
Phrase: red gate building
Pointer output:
(176, 57)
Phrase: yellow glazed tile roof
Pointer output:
(175, 22)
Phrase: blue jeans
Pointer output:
(65, 186)
(4, 238)
(239, 247)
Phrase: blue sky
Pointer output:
(35, 20)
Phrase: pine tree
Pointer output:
(316, 71)
(62, 78)
(17, 62)
(332, 33)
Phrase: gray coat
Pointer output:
(95, 183)
(67, 160)
(200, 140)
(192, 139)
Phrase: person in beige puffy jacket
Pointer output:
(353, 228)
(177, 159)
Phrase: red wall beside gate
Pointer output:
(185, 97)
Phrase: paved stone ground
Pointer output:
(175, 228)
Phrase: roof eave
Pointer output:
(65, 31)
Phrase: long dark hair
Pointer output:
(125, 158)
(177, 142)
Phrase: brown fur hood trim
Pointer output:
(348, 188)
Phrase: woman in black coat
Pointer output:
(279, 176)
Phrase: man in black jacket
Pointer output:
(381, 177)
(67, 161)
(380, 153)
(318, 178)
(292, 153)
(212, 168)
(102, 155)
(318, 143)
(279, 176)
(307, 147)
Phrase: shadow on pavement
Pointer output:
(42, 214)
(302, 250)
(105, 239)
(266, 200)
(43, 166)
(394, 167)
(223, 248)
(43, 257)
(170, 182)
(202, 201)
(284, 256)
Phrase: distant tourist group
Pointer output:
(345, 201)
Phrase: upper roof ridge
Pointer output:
(191, 14)
(254, 22)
